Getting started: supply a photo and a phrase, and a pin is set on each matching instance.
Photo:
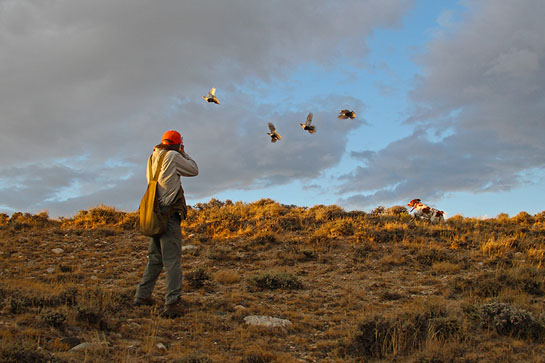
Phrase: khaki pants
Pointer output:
(164, 251)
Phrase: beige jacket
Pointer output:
(175, 165)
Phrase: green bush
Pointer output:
(275, 281)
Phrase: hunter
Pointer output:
(165, 250)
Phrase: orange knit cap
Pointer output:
(172, 137)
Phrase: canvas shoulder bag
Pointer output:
(153, 221)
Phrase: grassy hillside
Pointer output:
(356, 287)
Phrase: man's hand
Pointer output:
(182, 148)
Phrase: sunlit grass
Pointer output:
(356, 286)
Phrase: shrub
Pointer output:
(397, 211)
(361, 252)
(4, 218)
(197, 278)
(339, 228)
(19, 220)
(489, 284)
(262, 238)
(380, 235)
(540, 217)
(523, 218)
(390, 296)
(219, 253)
(499, 246)
(53, 318)
(275, 281)
(23, 352)
(193, 358)
(510, 321)
(258, 356)
(212, 203)
(378, 337)
(428, 256)
(379, 211)
(102, 215)
(324, 213)
(88, 314)
(502, 218)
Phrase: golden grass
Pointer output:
(445, 267)
(227, 277)
(498, 246)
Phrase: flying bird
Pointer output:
(344, 114)
(307, 126)
(275, 136)
(211, 97)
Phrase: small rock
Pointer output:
(57, 250)
(133, 325)
(50, 270)
(161, 346)
(93, 277)
(84, 346)
(131, 344)
(189, 247)
(239, 307)
(266, 321)
(71, 341)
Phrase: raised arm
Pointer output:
(185, 165)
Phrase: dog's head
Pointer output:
(413, 202)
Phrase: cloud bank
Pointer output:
(89, 87)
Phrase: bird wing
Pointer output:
(212, 92)
(271, 127)
(344, 111)
(309, 119)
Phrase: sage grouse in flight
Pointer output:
(273, 134)
(211, 97)
(344, 114)
(307, 125)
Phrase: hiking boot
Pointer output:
(143, 301)
(174, 310)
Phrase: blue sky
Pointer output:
(449, 97)
(382, 84)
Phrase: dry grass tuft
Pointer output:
(227, 277)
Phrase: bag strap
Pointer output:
(159, 165)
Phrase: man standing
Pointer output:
(166, 250)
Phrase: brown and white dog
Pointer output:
(425, 212)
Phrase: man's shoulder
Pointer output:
(169, 154)
(172, 155)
